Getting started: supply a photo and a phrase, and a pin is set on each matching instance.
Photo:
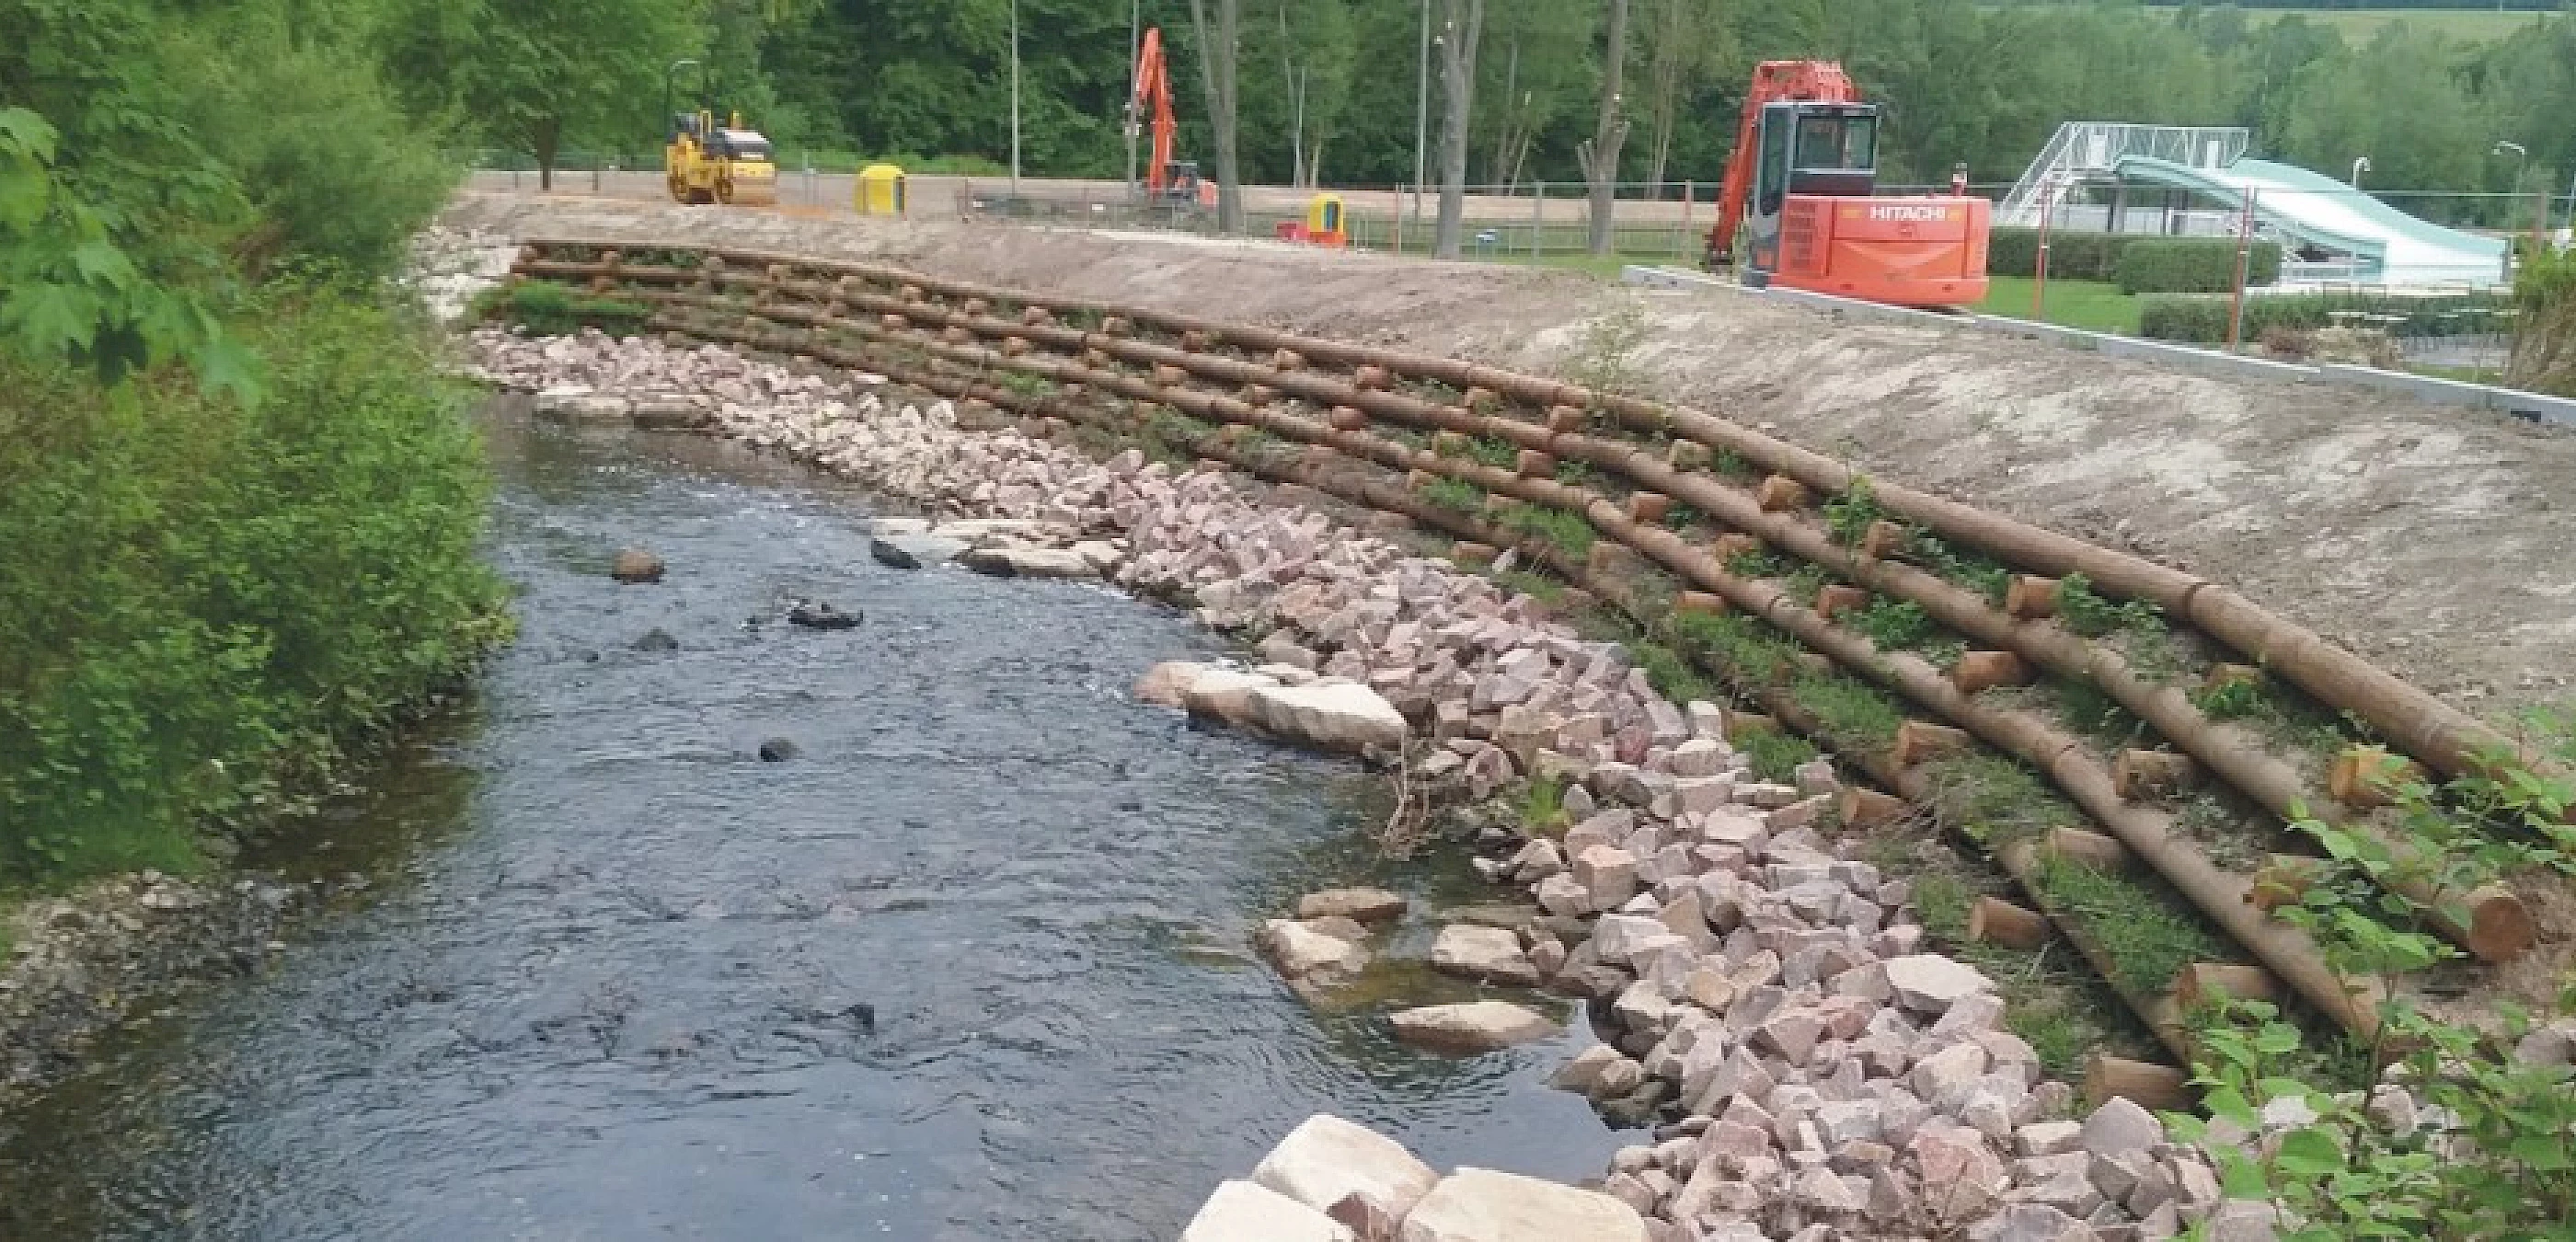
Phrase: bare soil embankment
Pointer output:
(2440, 543)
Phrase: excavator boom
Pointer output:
(1152, 100)
(1822, 81)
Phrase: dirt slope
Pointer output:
(2439, 542)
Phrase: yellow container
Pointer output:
(1324, 223)
(880, 191)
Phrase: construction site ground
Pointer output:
(2438, 542)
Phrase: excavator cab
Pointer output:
(1805, 150)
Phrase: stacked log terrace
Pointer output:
(1923, 641)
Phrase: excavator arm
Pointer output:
(1818, 81)
(1152, 100)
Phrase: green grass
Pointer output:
(1775, 754)
(1539, 587)
(1568, 531)
(2140, 930)
(1852, 714)
(2094, 305)
(1671, 673)
(1543, 807)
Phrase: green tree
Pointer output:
(531, 75)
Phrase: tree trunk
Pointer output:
(1217, 72)
(1601, 155)
(1458, 86)
(547, 138)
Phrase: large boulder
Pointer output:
(1931, 983)
(1340, 716)
(1167, 684)
(1326, 1160)
(1368, 905)
(635, 565)
(1480, 1205)
(1486, 954)
(1019, 560)
(1305, 951)
(1224, 694)
(1247, 1212)
(1471, 1026)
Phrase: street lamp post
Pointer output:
(1135, 25)
(1421, 112)
(2359, 167)
(1015, 98)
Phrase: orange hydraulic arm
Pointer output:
(1818, 81)
(1153, 90)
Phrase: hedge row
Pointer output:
(2167, 265)
(2203, 320)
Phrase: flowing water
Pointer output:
(971, 965)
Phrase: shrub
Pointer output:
(2079, 255)
(2192, 265)
(549, 309)
(2202, 319)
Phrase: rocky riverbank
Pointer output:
(85, 961)
(1762, 991)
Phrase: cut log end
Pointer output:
(1978, 671)
(1344, 418)
(2156, 1088)
(2370, 776)
(1533, 464)
(2208, 983)
(1994, 920)
(1733, 544)
(1466, 552)
(2501, 928)
(2030, 598)
(1833, 601)
(1868, 808)
(1564, 418)
(1700, 602)
(2149, 773)
(1780, 493)
(2091, 849)
(1883, 539)
(1917, 741)
(1648, 506)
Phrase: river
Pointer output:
(972, 965)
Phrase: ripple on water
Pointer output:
(971, 966)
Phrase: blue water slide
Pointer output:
(2310, 208)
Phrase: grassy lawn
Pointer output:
(2091, 304)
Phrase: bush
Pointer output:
(202, 601)
(2202, 319)
(2078, 255)
(2186, 265)
(549, 309)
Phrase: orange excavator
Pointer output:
(1801, 188)
(1165, 177)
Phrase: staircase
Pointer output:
(2090, 150)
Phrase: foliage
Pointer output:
(1543, 806)
(1727, 463)
(1971, 569)
(1455, 495)
(2077, 255)
(538, 77)
(1671, 674)
(2230, 699)
(1849, 515)
(1747, 651)
(546, 308)
(1994, 800)
(1605, 360)
(1494, 451)
(2544, 349)
(2095, 713)
(1775, 754)
(201, 599)
(1853, 715)
(1568, 531)
(1893, 624)
(2145, 933)
(2080, 609)
(2203, 320)
(2192, 265)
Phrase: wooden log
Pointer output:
(1533, 464)
(1700, 602)
(1369, 377)
(2204, 983)
(1481, 399)
(1233, 433)
(1345, 418)
(1994, 920)
(2030, 598)
(2283, 880)
(2091, 849)
(1686, 455)
(975, 306)
(2156, 1088)
(2223, 675)
(1195, 340)
(1918, 740)
(1013, 346)
(909, 293)
(2370, 776)
(1257, 396)
(1468, 552)
(1564, 418)
(1450, 443)
(1731, 545)
(1117, 325)
(1984, 670)
(1780, 493)
(1287, 360)
(1170, 376)
(1839, 598)
(892, 322)
(1648, 506)
(957, 334)
(1883, 539)
(1419, 480)
(2147, 773)
(1035, 315)
(1868, 808)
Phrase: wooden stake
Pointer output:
(1564, 418)
(2283, 880)
(2203, 983)
(1994, 920)
(1686, 455)
(1731, 545)
(1700, 602)
(2370, 776)
(1867, 808)
(1035, 315)
(2090, 849)
(1648, 506)
(1116, 325)
(1781, 493)
(1481, 400)
(1170, 376)
(1918, 740)
(1835, 600)
(2156, 1088)
(1883, 539)
(2030, 598)
(1345, 418)
(2144, 773)
(1470, 553)
(1371, 377)
(2230, 674)
(1985, 670)
(1533, 464)
(1287, 360)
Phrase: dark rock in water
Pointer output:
(657, 640)
(892, 556)
(864, 1014)
(635, 565)
(777, 750)
(815, 615)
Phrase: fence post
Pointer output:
(1538, 218)
(2244, 266)
(2039, 263)
(1690, 190)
